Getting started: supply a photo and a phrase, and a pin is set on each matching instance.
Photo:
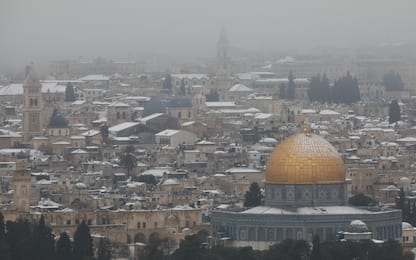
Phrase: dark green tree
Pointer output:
(190, 248)
(148, 179)
(83, 247)
(324, 90)
(345, 90)
(314, 89)
(128, 159)
(19, 236)
(253, 196)
(288, 250)
(394, 112)
(4, 245)
(393, 82)
(290, 92)
(70, 93)
(64, 247)
(44, 243)
(361, 200)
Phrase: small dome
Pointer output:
(405, 181)
(170, 182)
(172, 220)
(406, 225)
(357, 226)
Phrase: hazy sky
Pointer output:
(41, 30)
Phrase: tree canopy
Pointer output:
(290, 91)
(253, 196)
(82, 242)
(360, 200)
(64, 247)
(128, 159)
(345, 89)
(70, 93)
(393, 82)
(394, 112)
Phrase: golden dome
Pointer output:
(305, 159)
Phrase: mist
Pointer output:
(45, 30)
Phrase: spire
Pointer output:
(31, 77)
(223, 36)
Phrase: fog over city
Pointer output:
(46, 30)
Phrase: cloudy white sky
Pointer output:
(42, 30)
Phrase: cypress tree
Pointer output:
(253, 196)
(290, 92)
(324, 90)
(82, 242)
(394, 112)
(4, 245)
(64, 247)
(69, 93)
(44, 244)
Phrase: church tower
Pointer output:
(21, 183)
(223, 72)
(32, 106)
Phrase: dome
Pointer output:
(357, 226)
(406, 225)
(305, 158)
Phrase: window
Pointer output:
(89, 222)
(77, 221)
(138, 225)
(155, 224)
(68, 222)
(144, 224)
(189, 114)
(179, 115)
(118, 115)
(124, 115)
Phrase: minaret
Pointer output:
(223, 72)
(32, 106)
(21, 183)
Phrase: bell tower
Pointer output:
(223, 71)
(32, 106)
